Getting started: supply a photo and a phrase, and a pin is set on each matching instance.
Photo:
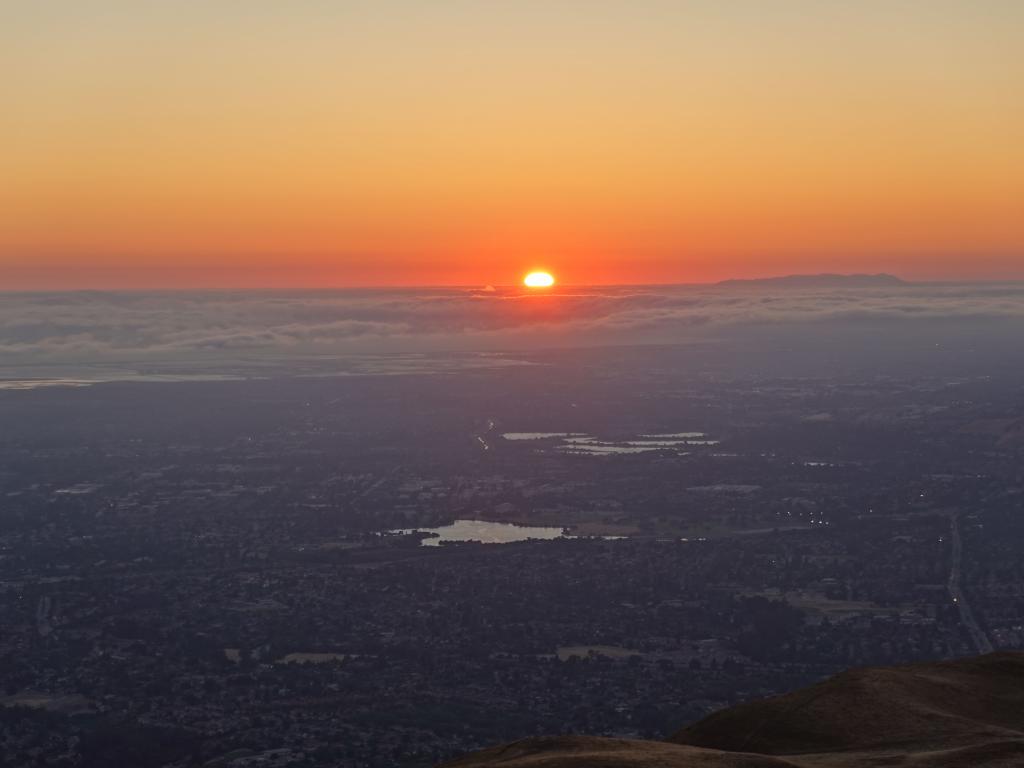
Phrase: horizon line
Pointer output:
(481, 287)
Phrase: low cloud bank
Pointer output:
(90, 326)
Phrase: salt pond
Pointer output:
(579, 443)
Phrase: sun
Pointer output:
(539, 280)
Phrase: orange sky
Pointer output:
(265, 144)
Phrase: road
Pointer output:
(981, 642)
(43, 608)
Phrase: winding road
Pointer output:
(981, 642)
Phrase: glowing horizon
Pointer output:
(211, 145)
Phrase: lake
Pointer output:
(485, 532)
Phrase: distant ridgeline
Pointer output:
(968, 712)
(880, 280)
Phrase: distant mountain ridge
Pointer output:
(967, 712)
(825, 280)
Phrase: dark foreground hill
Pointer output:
(968, 712)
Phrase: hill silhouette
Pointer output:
(967, 712)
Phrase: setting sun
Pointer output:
(539, 280)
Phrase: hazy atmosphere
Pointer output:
(512, 384)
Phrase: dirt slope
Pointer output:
(968, 712)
